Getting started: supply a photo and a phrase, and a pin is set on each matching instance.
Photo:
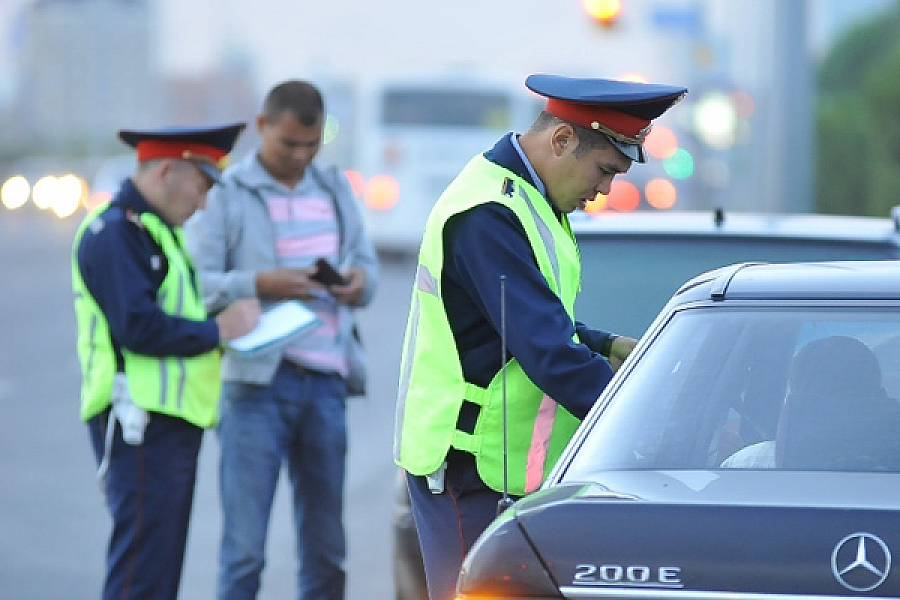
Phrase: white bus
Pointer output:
(412, 137)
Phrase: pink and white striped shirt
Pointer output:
(306, 229)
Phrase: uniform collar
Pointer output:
(130, 198)
(534, 176)
(508, 154)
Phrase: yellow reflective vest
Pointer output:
(432, 387)
(185, 387)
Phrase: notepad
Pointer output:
(279, 325)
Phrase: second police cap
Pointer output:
(621, 110)
(206, 147)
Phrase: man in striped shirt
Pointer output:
(261, 234)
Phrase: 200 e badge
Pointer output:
(628, 575)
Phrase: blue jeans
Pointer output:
(300, 419)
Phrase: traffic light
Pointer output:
(604, 12)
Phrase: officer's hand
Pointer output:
(350, 293)
(619, 350)
(239, 318)
(283, 284)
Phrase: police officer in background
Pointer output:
(504, 219)
(149, 352)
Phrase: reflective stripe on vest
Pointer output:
(540, 444)
(185, 387)
(432, 387)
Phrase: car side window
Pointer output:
(672, 415)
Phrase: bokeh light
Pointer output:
(44, 192)
(680, 165)
(71, 191)
(15, 191)
(661, 142)
(331, 129)
(382, 192)
(602, 11)
(357, 182)
(597, 205)
(715, 120)
(96, 199)
(634, 76)
(661, 193)
(744, 105)
(623, 196)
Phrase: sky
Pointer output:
(511, 38)
(353, 36)
(346, 37)
(506, 38)
(380, 34)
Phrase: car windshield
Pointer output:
(783, 387)
(645, 270)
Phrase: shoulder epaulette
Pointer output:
(134, 218)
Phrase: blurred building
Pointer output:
(217, 97)
(88, 67)
(224, 94)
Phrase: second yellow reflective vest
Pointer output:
(185, 387)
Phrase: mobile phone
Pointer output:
(326, 274)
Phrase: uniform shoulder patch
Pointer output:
(134, 218)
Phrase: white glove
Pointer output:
(133, 418)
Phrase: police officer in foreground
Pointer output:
(149, 353)
(498, 244)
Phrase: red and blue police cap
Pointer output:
(621, 110)
(206, 147)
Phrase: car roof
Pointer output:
(720, 223)
(840, 280)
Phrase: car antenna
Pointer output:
(504, 502)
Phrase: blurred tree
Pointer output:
(844, 150)
(882, 95)
(857, 122)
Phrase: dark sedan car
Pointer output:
(632, 264)
(748, 448)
